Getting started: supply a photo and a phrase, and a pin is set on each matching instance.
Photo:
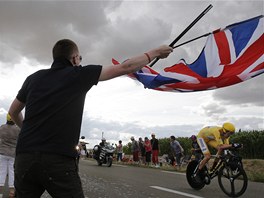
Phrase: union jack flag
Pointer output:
(230, 56)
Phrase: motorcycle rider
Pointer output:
(102, 150)
(102, 144)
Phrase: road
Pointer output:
(137, 182)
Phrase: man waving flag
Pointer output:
(231, 55)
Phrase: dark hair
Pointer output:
(64, 49)
(172, 137)
(120, 141)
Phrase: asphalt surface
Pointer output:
(138, 182)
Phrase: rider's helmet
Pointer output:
(228, 127)
(193, 137)
(8, 118)
(96, 148)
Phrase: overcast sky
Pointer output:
(121, 108)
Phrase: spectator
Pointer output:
(148, 149)
(53, 100)
(142, 151)
(155, 150)
(196, 150)
(176, 149)
(8, 139)
(135, 150)
(119, 149)
(171, 157)
(83, 149)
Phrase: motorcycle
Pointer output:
(103, 154)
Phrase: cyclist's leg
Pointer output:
(205, 151)
(215, 145)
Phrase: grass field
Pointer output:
(254, 169)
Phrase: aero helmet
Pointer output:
(228, 127)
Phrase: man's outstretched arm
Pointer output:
(134, 64)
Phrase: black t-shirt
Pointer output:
(196, 146)
(54, 101)
(154, 144)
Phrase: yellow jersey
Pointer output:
(211, 135)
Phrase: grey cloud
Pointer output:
(31, 28)
(246, 123)
(213, 110)
(134, 40)
(250, 92)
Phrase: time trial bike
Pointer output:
(232, 177)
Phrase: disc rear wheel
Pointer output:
(194, 182)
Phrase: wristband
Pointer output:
(147, 55)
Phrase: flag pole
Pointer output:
(186, 30)
(192, 40)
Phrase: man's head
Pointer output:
(103, 140)
(228, 129)
(66, 48)
(193, 138)
(172, 138)
(153, 135)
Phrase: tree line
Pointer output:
(253, 142)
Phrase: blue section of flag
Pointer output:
(242, 33)
(199, 66)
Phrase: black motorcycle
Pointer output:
(103, 154)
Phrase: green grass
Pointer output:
(254, 169)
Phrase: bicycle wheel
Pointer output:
(232, 182)
(193, 181)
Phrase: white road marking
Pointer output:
(119, 165)
(176, 173)
(176, 192)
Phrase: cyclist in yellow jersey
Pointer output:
(216, 137)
